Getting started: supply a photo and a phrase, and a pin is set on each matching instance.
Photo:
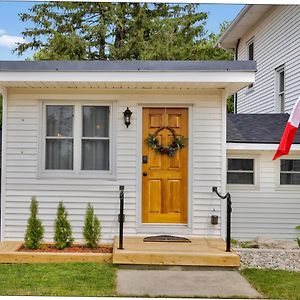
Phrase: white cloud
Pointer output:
(9, 41)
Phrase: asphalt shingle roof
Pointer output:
(257, 128)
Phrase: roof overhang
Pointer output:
(229, 75)
(244, 21)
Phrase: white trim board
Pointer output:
(261, 147)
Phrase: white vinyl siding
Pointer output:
(23, 155)
(277, 42)
(268, 210)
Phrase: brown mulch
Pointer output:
(73, 249)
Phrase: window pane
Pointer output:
(240, 164)
(59, 154)
(95, 155)
(281, 81)
(289, 178)
(59, 120)
(281, 97)
(290, 165)
(95, 121)
(251, 51)
(240, 178)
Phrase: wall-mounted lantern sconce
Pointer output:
(127, 116)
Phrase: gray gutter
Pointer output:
(126, 66)
(233, 24)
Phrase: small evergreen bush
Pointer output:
(35, 230)
(63, 232)
(92, 228)
(298, 236)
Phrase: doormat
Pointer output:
(166, 238)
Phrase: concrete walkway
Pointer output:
(177, 283)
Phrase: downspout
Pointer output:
(236, 58)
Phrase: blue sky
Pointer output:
(11, 27)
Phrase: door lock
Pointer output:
(145, 173)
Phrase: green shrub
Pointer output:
(298, 237)
(63, 232)
(92, 228)
(35, 230)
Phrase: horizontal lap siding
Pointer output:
(276, 42)
(22, 180)
(266, 210)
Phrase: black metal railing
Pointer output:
(228, 221)
(121, 217)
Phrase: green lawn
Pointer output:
(69, 279)
(274, 284)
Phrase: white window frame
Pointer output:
(239, 186)
(249, 42)
(278, 94)
(280, 186)
(77, 142)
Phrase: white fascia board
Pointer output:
(193, 77)
(262, 147)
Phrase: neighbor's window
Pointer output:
(59, 137)
(250, 52)
(95, 138)
(77, 137)
(240, 171)
(290, 171)
(280, 89)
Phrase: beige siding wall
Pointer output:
(23, 157)
(276, 42)
(267, 209)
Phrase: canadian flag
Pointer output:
(289, 132)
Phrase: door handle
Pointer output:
(145, 173)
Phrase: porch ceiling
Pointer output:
(124, 85)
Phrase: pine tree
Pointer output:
(63, 232)
(35, 230)
(92, 228)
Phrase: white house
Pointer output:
(64, 138)
(267, 201)
(270, 35)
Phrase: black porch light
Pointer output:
(127, 116)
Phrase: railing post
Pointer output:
(121, 217)
(228, 221)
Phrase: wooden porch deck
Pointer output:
(209, 252)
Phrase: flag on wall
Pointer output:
(289, 132)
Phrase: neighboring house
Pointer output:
(270, 35)
(64, 138)
(265, 195)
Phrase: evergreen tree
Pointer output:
(63, 232)
(92, 229)
(118, 31)
(35, 230)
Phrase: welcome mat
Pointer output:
(166, 238)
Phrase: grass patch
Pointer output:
(63, 279)
(274, 284)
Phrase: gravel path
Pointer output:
(276, 259)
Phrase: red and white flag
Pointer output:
(289, 132)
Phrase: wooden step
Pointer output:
(208, 252)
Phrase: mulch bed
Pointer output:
(73, 249)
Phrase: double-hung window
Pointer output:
(240, 171)
(250, 53)
(78, 139)
(290, 171)
(280, 107)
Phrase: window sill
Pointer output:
(287, 187)
(81, 175)
(235, 187)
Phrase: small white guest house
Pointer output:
(65, 137)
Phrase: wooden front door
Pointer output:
(164, 178)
